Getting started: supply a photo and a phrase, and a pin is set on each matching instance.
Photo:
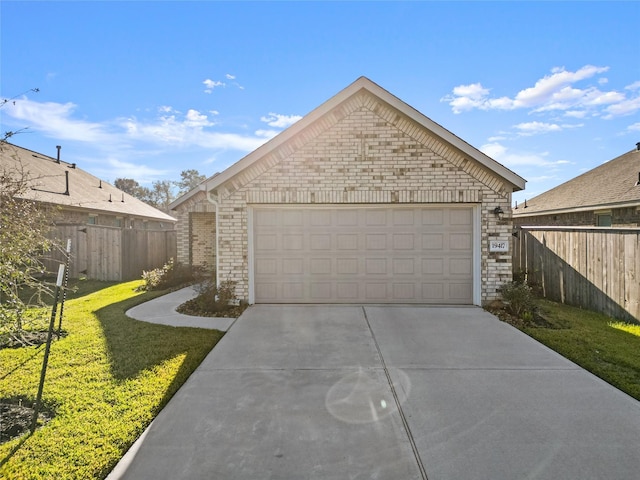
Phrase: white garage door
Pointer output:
(404, 254)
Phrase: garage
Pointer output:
(364, 254)
(363, 200)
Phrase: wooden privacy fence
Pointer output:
(594, 268)
(111, 253)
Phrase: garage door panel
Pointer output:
(347, 241)
(292, 266)
(266, 266)
(376, 292)
(415, 254)
(432, 241)
(460, 241)
(320, 241)
(347, 266)
(404, 266)
(433, 292)
(433, 216)
(293, 292)
(321, 292)
(376, 241)
(320, 266)
(266, 242)
(460, 217)
(403, 241)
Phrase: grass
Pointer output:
(107, 379)
(610, 350)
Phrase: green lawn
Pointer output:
(107, 379)
(610, 350)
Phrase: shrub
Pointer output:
(214, 301)
(170, 275)
(519, 299)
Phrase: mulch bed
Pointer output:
(16, 418)
(191, 307)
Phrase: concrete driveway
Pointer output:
(383, 392)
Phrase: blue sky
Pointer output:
(147, 89)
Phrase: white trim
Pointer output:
(214, 201)
(250, 255)
(477, 255)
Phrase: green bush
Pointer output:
(213, 299)
(519, 299)
(170, 275)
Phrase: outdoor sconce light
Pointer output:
(498, 212)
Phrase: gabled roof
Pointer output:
(355, 88)
(612, 184)
(86, 192)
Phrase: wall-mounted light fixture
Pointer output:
(498, 212)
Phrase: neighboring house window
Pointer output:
(603, 219)
(119, 222)
(93, 220)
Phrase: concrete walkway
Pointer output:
(335, 392)
(162, 310)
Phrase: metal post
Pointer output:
(64, 286)
(45, 361)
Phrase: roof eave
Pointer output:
(586, 208)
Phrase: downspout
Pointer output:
(214, 201)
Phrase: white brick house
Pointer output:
(364, 200)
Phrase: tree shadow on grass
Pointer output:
(135, 346)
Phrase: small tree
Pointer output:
(23, 241)
(189, 179)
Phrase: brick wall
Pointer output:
(363, 152)
(203, 239)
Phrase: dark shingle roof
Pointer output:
(611, 184)
(85, 191)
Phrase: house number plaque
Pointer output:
(498, 246)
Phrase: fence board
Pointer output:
(597, 269)
(110, 253)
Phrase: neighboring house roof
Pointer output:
(86, 192)
(611, 185)
(291, 136)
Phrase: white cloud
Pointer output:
(266, 133)
(626, 107)
(556, 91)
(536, 128)
(634, 127)
(197, 119)
(280, 121)
(511, 159)
(55, 120)
(170, 127)
(575, 113)
(211, 84)
(141, 173)
(549, 86)
(633, 86)
(230, 77)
